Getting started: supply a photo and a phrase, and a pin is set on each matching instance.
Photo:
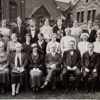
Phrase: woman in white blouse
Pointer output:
(46, 29)
(97, 42)
(64, 43)
(83, 45)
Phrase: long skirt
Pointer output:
(4, 76)
(36, 79)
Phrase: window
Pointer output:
(82, 16)
(93, 15)
(78, 16)
(89, 15)
(12, 11)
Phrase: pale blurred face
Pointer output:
(46, 22)
(14, 38)
(98, 36)
(40, 37)
(59, 22)
(90, 24)
(68, 32)
(28, 38)
(90, 47)
(19, 21)
(85, 38)
(53, 48)
(32, 23)
(35, 49)
(3, 24)
(75, 24)
(1, 48)
(54, 38)
(18, 49)
(71, 45)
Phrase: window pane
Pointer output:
(78, 16)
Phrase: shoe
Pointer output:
(92, 91)
(76, 89)
(86, 91)
(53, 92)
(2, 90)
(37, 89)
(13, 94)
(66, 91)
(33, 89)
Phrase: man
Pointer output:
(53, 63)
(53, 40)
(90, 63)
(71, 62)
(20, 30)
(33, 30)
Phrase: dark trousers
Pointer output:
(51, 74)
(66, 75)
(85, 79)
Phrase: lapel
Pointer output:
(92, 56)
(22, 57)
(55, 57)
(51, 57)
(69, 56)
(87, 56)
(17, 29)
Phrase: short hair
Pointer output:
(89, 21)
(18, 45)
(71, 41)
(32, 20)
(75, 21)
(18, 18)
(58, 19)
(28, 35)
(33, 45)
(67, 29)
(53, 44)
(53, 35)
(90, 44)
(3, 21)
(14, 34)
(43, 20)
(41, 34)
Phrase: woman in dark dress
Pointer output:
(36, 68)
(27, 44)
(59, 29)
(41, 44)
(4, 70)
(18, 64)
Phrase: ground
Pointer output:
(45, 94)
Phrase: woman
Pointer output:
(4, 70)
(59, 29)
(97, 43)
(11, 44)
(53, 41)
(27, 44)
(41, 43)
(46, 29)
(18, 64)
(83, 45)
(4, 31)
(36, 68)
(76, 32)
(64, 43)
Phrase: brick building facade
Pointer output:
(86, 10)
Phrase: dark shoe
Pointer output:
(76, 89)
(33, 89)
(66, 91)
(86, 91)
(53, 92)
(37, 89)
(92, 91)
(2, 90)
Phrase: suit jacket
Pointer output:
(56, 29)
(91, 35)
(40, 62)
(90, 63)
(42, 48)
(36, 34)
(23, 59)
(72, 61)
(20, 34)
(49, 60)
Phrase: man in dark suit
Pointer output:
(90, 62)
(53, 63)
(71, 63)
(33, 30)
(20, 30)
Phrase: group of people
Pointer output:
(27, 55)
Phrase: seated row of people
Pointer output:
(19, 64)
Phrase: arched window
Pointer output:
(12, 11)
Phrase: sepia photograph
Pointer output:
(49, 49)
